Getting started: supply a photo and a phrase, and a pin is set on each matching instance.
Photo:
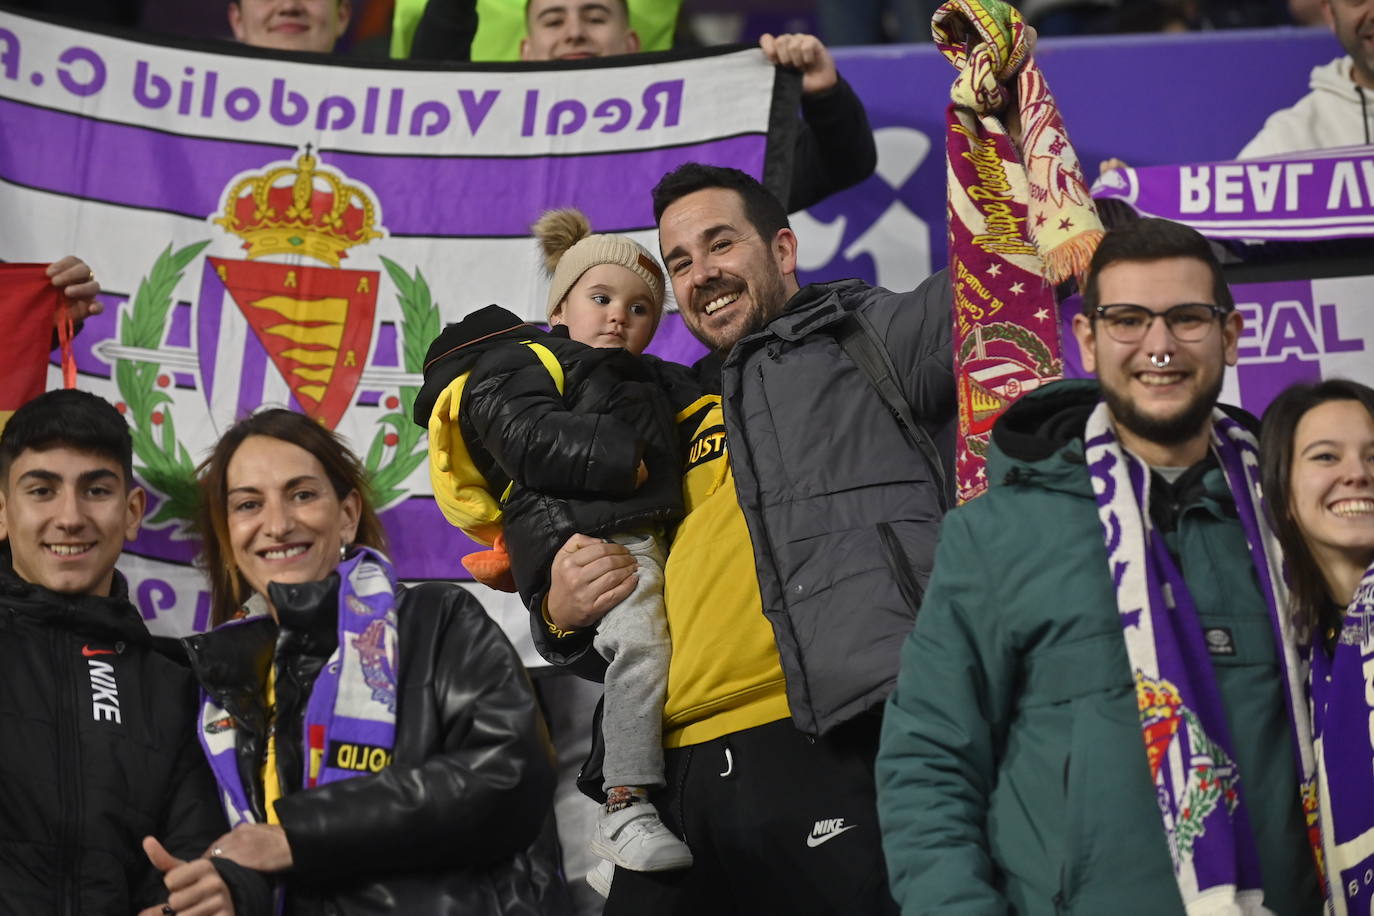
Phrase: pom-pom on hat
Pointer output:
(571, 249)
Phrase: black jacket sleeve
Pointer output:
(251, 891)
(192, 817)
(834, 148)
(916, 328)
(446, 30)
(920, 342)
(524, 424)
(483, 793)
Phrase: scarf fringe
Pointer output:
(1072, 257)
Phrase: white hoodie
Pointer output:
(1330, 115)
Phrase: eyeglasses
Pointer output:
(1188, 322)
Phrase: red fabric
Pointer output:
(28, 304)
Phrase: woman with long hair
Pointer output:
(1317, 473)
(377, 746)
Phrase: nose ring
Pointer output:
(1160, 360)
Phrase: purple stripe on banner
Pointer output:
(120, 163)
(501, 197)
(254, 377)
(423, 544)
(211, 290)
(473, 197)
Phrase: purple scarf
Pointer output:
(1183, 725)
(1343, 739)
(350, 716)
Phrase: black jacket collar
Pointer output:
(110, 617)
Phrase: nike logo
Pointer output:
(826, 830)
(91, 653)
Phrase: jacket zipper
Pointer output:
(69, 804)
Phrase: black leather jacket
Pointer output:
(445, 827)
(98, 751)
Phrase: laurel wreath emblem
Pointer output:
(1026, 340)
(400, 445)
(164, 464)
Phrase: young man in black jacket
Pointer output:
(99, 747)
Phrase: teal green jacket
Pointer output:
(1012, 775)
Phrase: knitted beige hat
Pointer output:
(570, 250)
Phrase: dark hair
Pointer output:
(761, 208)
(1154, 240)
(228, 587)
(68, 418)
(1311, 600)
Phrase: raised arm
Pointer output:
(834, 147)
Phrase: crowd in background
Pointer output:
(709, 22)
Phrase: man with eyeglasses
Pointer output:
(1090, 715)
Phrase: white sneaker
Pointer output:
(600, 877)
(635, 838)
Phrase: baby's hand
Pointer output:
(641, 474)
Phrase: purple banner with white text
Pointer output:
(1322, 194)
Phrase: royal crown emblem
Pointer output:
(306, 208)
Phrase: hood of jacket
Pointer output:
(460, 345)
(1334, 76)
(1039, 440)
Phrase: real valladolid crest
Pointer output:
(285, 324)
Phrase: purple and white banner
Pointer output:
(129, 153)
(275, 231)
(1321, 194)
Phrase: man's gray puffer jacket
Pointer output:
(843, 510)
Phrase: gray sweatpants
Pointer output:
(633, 638)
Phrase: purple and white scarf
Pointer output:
(1184, 727)
(1343, 740)
(1318, 194)
(350, 716)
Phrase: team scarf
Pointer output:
(1187, 740)
(1343, 741)
(350, 716)
(1020, 221)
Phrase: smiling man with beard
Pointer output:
(798, 569)
(1091, 716)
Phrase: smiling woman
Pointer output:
(354, 725)
(1317, 458)
(1317, 463)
